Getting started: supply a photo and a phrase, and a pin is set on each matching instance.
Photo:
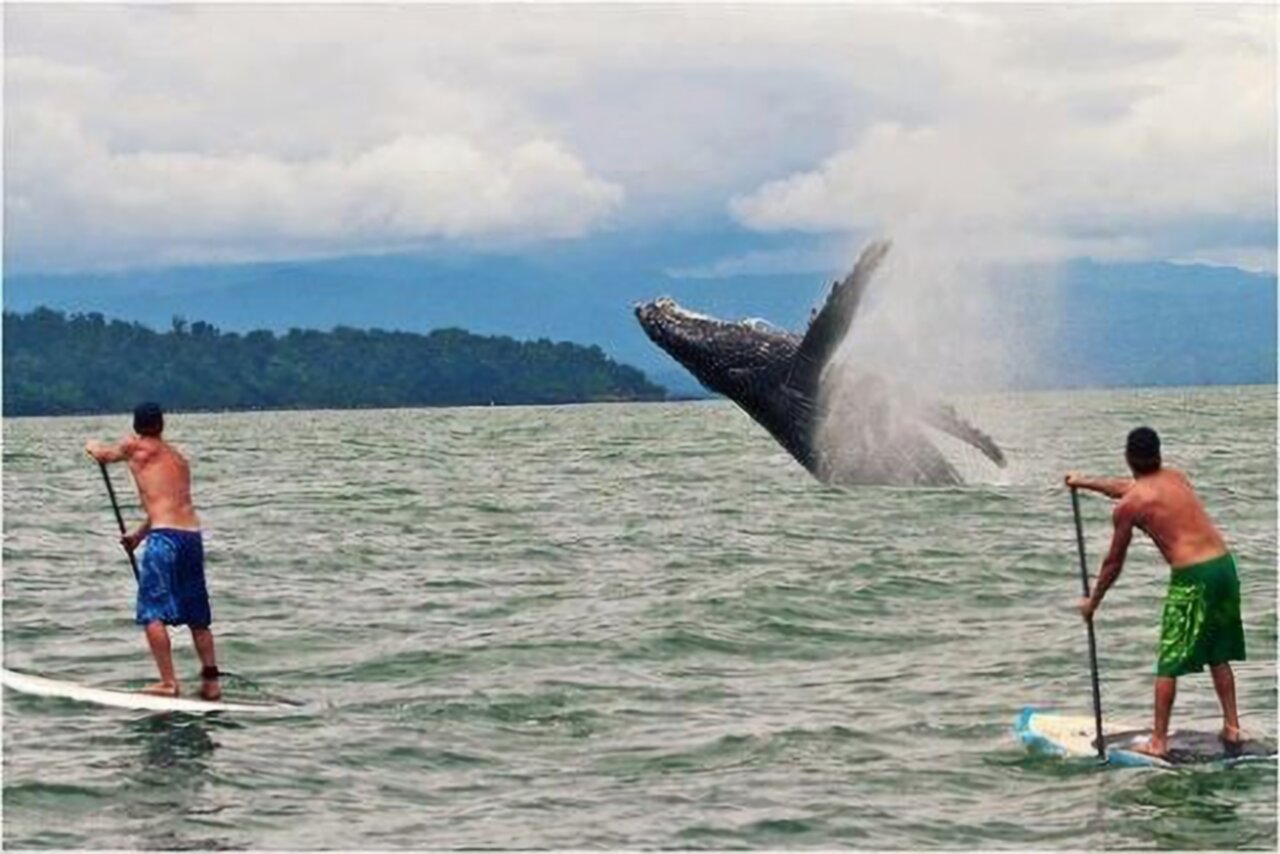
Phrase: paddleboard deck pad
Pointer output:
(39, 686)
(1072, 737)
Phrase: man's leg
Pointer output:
(1224, 682)
(1166, 690)
(210, 689)
(158, 640)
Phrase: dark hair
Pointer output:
(148, 420)
(1142, 450)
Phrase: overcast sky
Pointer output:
(147, 135)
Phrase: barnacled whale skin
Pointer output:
(844, 426)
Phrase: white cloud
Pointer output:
(70, 198)
(1088, 131)
(1251, 258)
(163, 141)
(144, 133)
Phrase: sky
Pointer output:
(151, 135)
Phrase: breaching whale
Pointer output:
(845, 426)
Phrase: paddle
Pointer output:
(133, 564)
(1093, 646)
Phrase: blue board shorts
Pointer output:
(171, 580)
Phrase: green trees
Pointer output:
(56, 364)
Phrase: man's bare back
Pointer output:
(164, 482)
(1165, 506)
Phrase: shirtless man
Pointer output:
(171, 588)
(1201, 621)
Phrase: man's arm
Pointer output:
(104, 453)
(1124, 518)
(1112, 487)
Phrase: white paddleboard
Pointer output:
(1072, 737)
(25, 683)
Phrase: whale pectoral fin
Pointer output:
(828, 327)
(944, 417)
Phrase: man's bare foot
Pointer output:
(210, 690)
(1151, 747)
(161, 689)
(1232, 740)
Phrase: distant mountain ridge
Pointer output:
(1119, 324)
(1165, 324)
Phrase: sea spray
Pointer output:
(937, 324)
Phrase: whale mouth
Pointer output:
(669, 324)
(666, 310)
(664, 318)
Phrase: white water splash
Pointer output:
(938, 323)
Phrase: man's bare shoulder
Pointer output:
(173, 449)
(1135, 501)
(143, 449)
(1155, 494)
(1171, 484)
(170, 453)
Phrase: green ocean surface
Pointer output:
(624, 626)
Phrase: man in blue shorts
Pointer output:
(171, 588)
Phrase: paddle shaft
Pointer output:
(106, 478)
(1093, 644)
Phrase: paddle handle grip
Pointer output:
(115, 505)
(1093, 644)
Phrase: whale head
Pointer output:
(725, 356)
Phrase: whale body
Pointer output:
(844, 425)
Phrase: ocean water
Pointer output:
(624, 626)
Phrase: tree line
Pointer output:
(58, 364)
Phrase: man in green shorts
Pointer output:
(1201, 622)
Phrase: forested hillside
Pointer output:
(57, 364)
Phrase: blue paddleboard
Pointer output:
(1072, 737)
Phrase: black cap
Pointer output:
(148, 420)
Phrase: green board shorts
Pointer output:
(1201, 620)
